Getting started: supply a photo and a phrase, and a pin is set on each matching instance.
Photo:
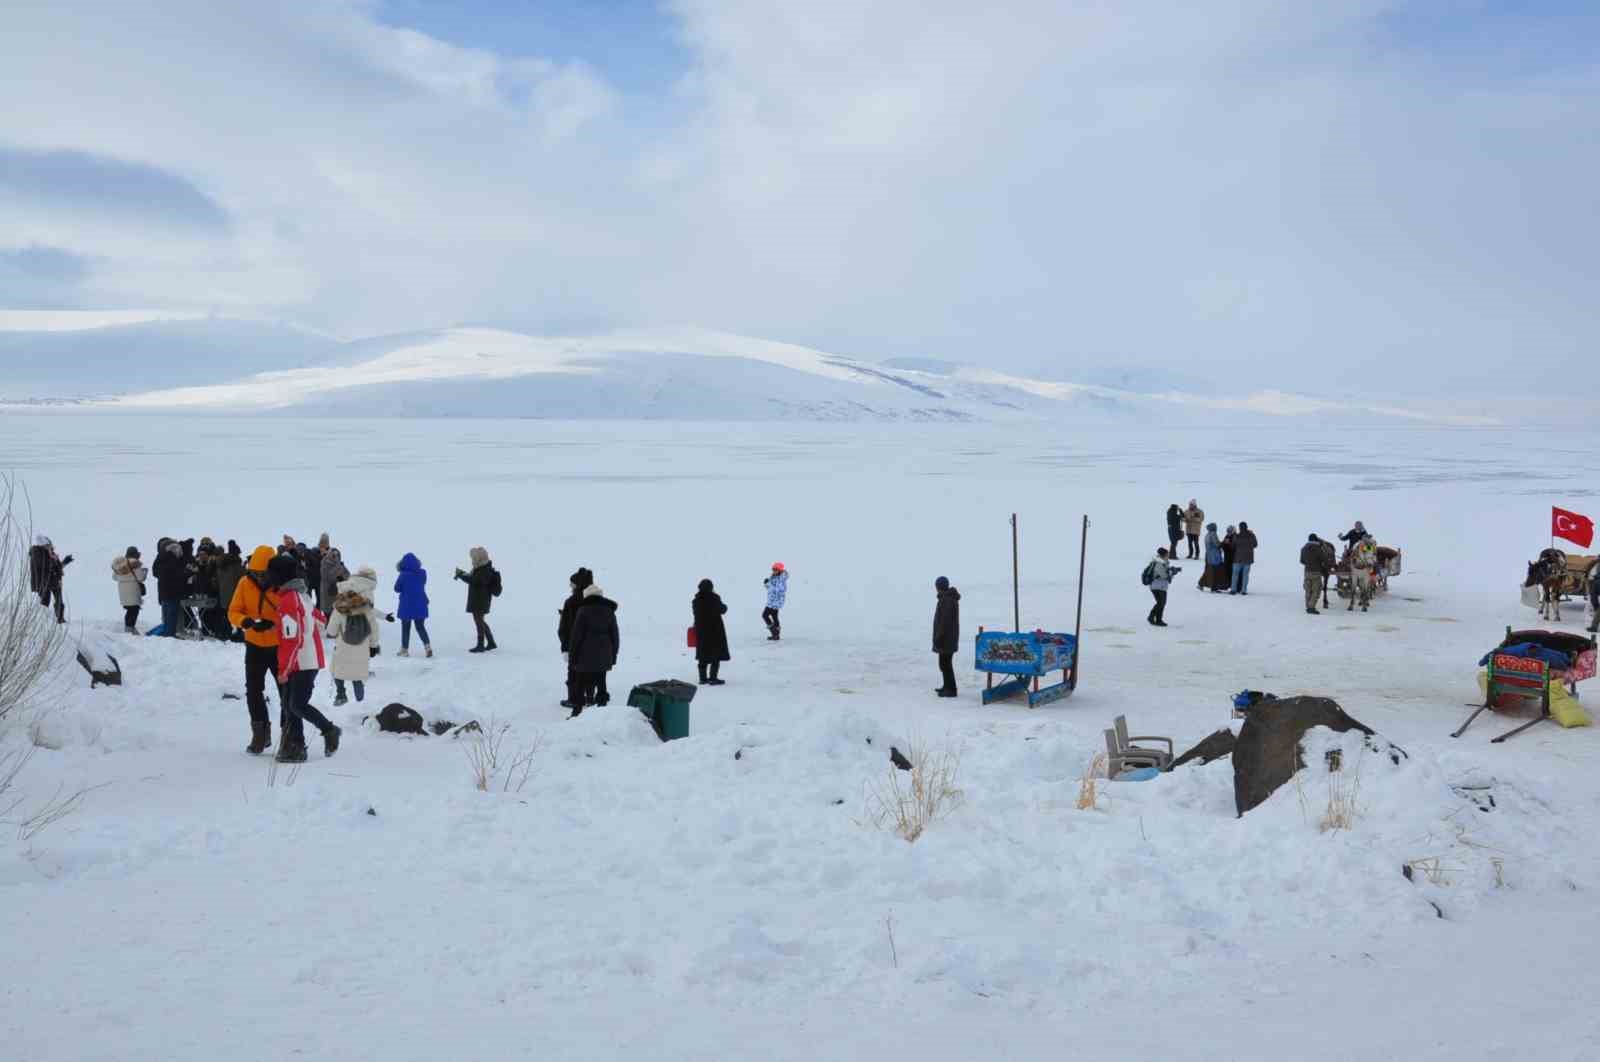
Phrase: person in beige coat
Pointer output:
(1194, 522)
(354, 630)
(130, 573)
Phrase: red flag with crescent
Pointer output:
(1572, 527)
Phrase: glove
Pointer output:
(261, 626)
(66, 560)
(389, 617)
(372, 652)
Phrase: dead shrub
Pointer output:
(908, 802)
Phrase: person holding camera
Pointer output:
(1159, 574)
(483, 586)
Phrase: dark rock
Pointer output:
(398, 719)
(231, 697)
(738, 754)
(898, 760)
(1267, 752)
(373, 812)
(839, 802)
(1214, 747)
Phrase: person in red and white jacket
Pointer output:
(300, 657)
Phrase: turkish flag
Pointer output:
(1572, 527)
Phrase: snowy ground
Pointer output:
(636, 900)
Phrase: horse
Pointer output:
(1549, 573)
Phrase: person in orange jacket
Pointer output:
(254, 610)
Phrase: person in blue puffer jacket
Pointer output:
(411, 585)
(777, 585)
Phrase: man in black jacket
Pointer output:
(946, 633)
(172, 582)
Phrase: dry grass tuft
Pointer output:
(484, 752)
(908, 802)
(1089, 784)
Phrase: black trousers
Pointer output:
(947, 671)
(709, 669)
(769, 616)
(485, 635)
(130, 616)
(53, 594)
(259, 662)
(297, 700)
(1194, 546)
(1159, 613)
(590, 686)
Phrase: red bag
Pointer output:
(693, 641)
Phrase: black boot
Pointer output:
(291, 751)
(702, 673)
(260, 738)
(330, 741)
(489, 645)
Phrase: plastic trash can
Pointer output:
(665, 703)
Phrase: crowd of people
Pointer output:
(282, 603)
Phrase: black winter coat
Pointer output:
(710, 633)
(481, 583)
(172, 576)
(947, 622)
(569, 616)
(595, 638)
(38, 568)
(1174, 521)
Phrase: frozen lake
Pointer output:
(639, 900)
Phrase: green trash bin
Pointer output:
(665, 703)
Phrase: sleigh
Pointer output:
(1512, 681)
(1024, 660)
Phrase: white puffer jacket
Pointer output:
(130, 577)
(353, 663)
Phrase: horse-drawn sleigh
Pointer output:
(1362, 573)
(1555, 577)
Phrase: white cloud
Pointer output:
(1262, 193)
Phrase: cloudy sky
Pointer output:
(1351, 193)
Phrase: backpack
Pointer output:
(357, 629)
(496, 586)
(1149, 575)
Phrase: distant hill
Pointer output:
(668, 373)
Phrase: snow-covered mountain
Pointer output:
(668, 373)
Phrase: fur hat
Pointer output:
(592, 590)
(479, 555)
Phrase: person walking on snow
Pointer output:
(354, 630)
(1160, 573)
(595, 644)
(1174, 528)
(254, 610)
(710, 633)
(1194, 522)
(946, 633)
(777, 585)
(579, 581)
(412, 586)
(1314, 560)
(483, 586)
(300, 657)
(1244, 555)
(130, 573)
